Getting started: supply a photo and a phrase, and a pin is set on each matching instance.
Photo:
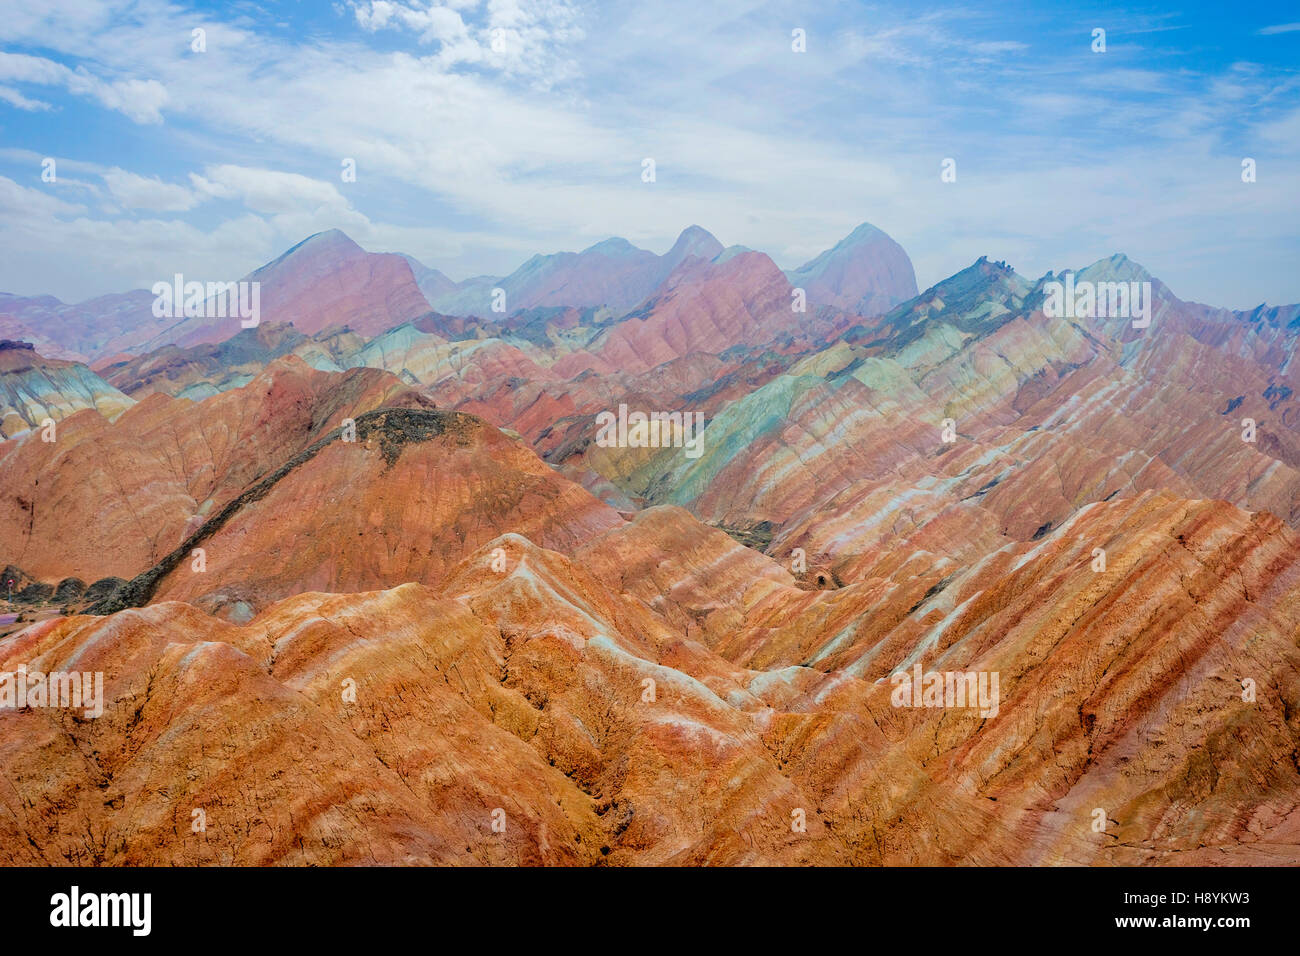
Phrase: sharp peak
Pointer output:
(747, 259)
(695, 241)
(696, 233)
(613, 242)
(1106, 265)
(984, 264)
(1119, 259)
(981, 270)
(327, 235)
(730, 252)
(864, 230)
(694, 230)
(330, 237)
(863, 233)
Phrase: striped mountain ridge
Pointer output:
(524, 689)
(35, 389)
(641, 657)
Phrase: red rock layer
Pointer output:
(524, 690)
(113, 498)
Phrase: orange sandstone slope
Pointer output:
(265, 491)
(509, 672)
(405, 501)
(113, 498)
(665, 695)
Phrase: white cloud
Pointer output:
(18, 202)
(148, 192)
(1128, 81)
(136, 252)
(486, 158)
(434, 23)
(268, 191)
(140, 100)
(524, 38)
(997, 47)
(18, 101)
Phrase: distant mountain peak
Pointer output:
(694, 241)
(984, 274)
(730, 253)
(864, 232)
(865, 272)
(1114, 268)
(330, 243)
(613, 246)
(330, 237)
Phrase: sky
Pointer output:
(484, 131)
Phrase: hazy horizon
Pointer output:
(482, 133)
(921, 287)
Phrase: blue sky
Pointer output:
(472, 159)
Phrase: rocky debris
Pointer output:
(69, 590)
(396, 428)
(24, 588)
(102, 589)
(37, 592)
(14, 577)
(757, 537)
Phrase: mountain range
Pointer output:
(327, 281)
(367, 585)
